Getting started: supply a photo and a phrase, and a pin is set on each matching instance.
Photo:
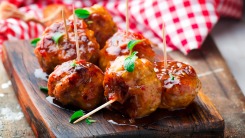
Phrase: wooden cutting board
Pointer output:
(48, 120)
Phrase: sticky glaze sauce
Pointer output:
(116, 118)
(58, 104)
(177, 69)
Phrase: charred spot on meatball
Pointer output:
(79, 85)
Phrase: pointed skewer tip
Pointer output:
(94, 111)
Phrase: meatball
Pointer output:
(77, 83)
(50, 54)
(117, 45)
(137, 93)
(101, 22)
(180, 84)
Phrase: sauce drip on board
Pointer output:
(149, 122)
(58, 104)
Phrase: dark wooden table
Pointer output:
(219, 85)
(229, 38)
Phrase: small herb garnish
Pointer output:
(76, 115)
(43, 89)
(89, 121)
(171, 76)
(74, 64)
(129, 62)
(56, 37)
(34, 41)
(79, 114)
(82, 13)
(131, 45)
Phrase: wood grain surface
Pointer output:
(230, 42)
(200, 119)
(219, 85)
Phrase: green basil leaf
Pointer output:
(82, 13)
(76, 115)
(129, 62)
(73, 64)
(89, 121)
(56, 37)
(132, 43)
(43, 89)
(34, 41)
(171, 76)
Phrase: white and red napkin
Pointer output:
(187, 22)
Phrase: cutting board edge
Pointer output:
(30, 112)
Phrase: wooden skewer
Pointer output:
(94, 111)
(164, 46)
(75, 31)
(100, 107)
(127, 19)
(63, 16)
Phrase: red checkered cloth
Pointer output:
(187, 22)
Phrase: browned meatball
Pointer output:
(50, 54)
(137, 93)
(101, 22)
(180, 84)
(117, 45)
(78, 84)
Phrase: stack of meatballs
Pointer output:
(100, 74)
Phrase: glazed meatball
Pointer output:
(50, 54)
(100, 21)
(117, 45)
(180, 84)
(137, 93)
(77, 83)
